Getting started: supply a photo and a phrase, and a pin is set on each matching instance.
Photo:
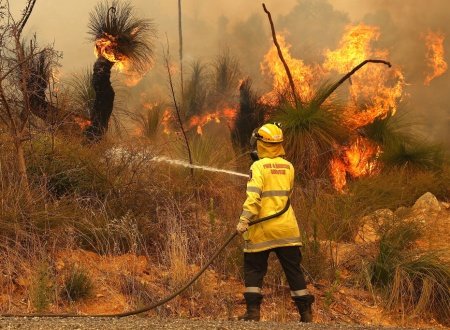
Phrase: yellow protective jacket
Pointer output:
(270, 185)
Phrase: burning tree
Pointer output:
(123, 41)
(325, 136)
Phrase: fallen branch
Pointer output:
(347, 76)
(280, 55)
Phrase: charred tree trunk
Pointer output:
(250, 116)
(37, 84)
(104, 99)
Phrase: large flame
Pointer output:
(378, 89)
(373, 92)
(434, 42)
(302, 74)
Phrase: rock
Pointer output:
(427, 203)
(366, 234)
(370, 225)
(445, 205)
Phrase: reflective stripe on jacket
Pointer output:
(270, 185)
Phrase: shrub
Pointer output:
(419, 156)
(77, 285)
(41, 287)
(414, 282)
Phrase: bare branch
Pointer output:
(347, 76)
(26, 15)
(177, 109)
(280, 55)
(20, 64)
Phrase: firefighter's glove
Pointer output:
(242, 226)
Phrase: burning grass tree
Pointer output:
(120, 39)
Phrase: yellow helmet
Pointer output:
(270, 133)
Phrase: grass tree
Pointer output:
(195, 91)
(250, 115)
(312, 131)
(120, 39)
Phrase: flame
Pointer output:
(374, 92)
(338, 173)
(356, 160)
(377, 89)
(200, 121)
(380, 90)
(81, 121)
(166, 120)
(302, 74)
(434, 42)
(106, 46)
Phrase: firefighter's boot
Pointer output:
(304, 307)
(253, 302)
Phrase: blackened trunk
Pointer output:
(250, 116)
(104, 99)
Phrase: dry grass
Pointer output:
(125, 204)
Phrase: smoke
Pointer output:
(310, 26)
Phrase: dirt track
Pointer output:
(154, 323)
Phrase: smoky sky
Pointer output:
(241, 27)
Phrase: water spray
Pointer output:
(200, 167)
(117, 152)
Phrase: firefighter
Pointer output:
(268, 189)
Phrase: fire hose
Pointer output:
(171, 296)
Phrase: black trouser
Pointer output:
(255, 268)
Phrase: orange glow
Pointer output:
(166, 120)
(82, 122)
(200, 121)
(132, 78)
(434, 42)
(301, 73)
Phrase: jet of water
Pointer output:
(200, 167)
(118, 152)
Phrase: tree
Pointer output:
(120, 39)
(21, 88)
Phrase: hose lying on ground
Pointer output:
(169, 297)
